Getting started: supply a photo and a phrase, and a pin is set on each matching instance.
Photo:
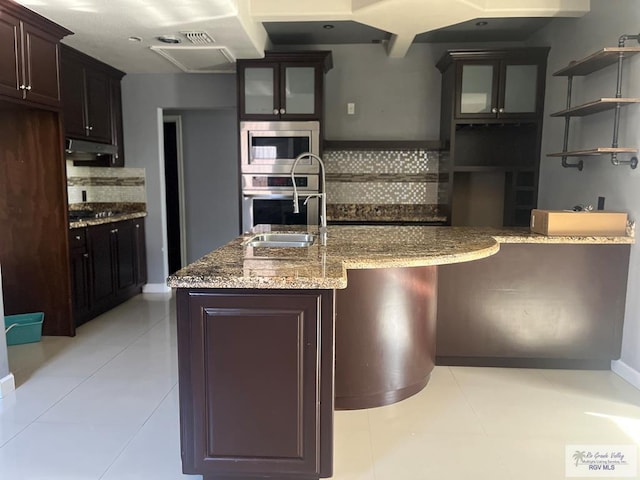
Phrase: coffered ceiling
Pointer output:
(124, 33)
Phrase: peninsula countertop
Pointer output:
(238, 265)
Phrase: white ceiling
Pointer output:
(103, 27)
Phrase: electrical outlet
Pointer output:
(600, 203)
(351, 108)
(84, 195)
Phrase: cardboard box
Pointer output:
(567, 222)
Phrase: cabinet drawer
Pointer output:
(78, 238)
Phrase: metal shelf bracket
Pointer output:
(633, 162)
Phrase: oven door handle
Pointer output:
(267, 195)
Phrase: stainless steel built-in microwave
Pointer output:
(272, 147)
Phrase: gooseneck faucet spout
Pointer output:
(322, 194)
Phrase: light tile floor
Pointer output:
(104, 405)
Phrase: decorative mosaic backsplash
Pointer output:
(383, 185)
(105, 185)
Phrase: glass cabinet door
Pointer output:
(477, 95)
(259, 90)
(520, 88)
(299, 90)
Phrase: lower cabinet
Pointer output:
(534, 306)
(256, 383)
(80, 277)
(109, 268)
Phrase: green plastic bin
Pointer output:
(23, 328)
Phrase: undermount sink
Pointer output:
(281, 240)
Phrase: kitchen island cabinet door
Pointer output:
(256, 383)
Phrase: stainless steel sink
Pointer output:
(281, 240)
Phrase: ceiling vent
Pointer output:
(211, 59)
(198, 38)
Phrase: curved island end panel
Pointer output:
(272, 340)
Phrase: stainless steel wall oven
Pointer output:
(267, 153)
(268, 199)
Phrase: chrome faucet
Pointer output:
(321, 195)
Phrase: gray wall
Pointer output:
(144, 96)
(396, 98)
(4, 361)
(210, 149)
(562, 188)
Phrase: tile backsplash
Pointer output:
(384, 179)
(105, 185)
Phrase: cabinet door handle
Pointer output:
(28, 87)
(77, 237)
(137, 225)
(23, 87)
(282, 111)
(275, 111)
(85, 255)
(494, 110)
(501, 110)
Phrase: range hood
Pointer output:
(73, 146)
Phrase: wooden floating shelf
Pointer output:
(593, 152)
(600, 59)
(596, 106)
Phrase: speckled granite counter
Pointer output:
(120, 211)
(86, 222)
(237, 265)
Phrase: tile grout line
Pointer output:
(466, 399)
(135, 434)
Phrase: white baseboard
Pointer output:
(7, 385)
(631, 375)
(156, 288)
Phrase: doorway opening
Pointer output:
(174, 188)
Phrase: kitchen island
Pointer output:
(264, 334)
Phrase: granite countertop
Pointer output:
(118, 212)
(85, 222)
(237, 265)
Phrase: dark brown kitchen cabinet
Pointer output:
(256, 383)
(533, 305)
(496, 84)
(80, 275)
(91, 100)
(491, 121)
(283, 86)
(117, 134)
(109, 268)
(29, 56)
(140, 252)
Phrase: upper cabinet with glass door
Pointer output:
(283, 86)
(496, 84)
